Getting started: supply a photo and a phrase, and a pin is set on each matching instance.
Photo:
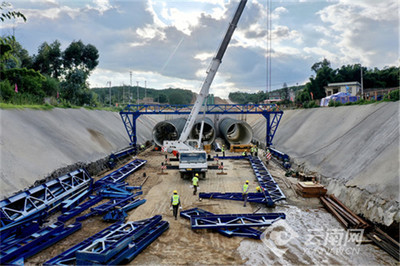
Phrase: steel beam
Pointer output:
(38, 202)
(234, 220)
(251, 197)
(35, 243)
(266, 181)
(115, 244)
(241, 231)
(122, 173)
(79, 209)
(130, 114)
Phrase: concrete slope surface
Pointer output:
(35, 143)
(355, 149)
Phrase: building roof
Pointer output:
(338, 84)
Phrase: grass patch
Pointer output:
(43, 107)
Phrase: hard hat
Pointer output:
(257, 187)
(196, 174)
(247, 181)
(175, 192)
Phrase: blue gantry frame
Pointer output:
(131, 112)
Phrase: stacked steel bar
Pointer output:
(345, 216)
(385, 242)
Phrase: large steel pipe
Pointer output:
(168, 130)
(235, 131)
(209, 131)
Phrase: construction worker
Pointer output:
(245, 192)
(142, 147)
(252, 150)
(244, 153)
(223, 150)
(258, 189)
(175, 202)
(255, 151)
(195, 181)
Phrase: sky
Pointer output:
(171, 43)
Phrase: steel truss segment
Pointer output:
(266, 180)
(138, 245)
(240, 231)
(103, 249)
(234, 220)
(35, 243)
(113, 247)
(122, 173)
(68, 257)
(79, 209)
(251, 197)
(44, 197)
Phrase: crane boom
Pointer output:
(211, 73)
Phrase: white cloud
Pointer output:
(365, 30)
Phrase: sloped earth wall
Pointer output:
(38, 145)
(353, 149)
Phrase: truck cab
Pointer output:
(191, 162)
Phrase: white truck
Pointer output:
(192, 162)
(191, 158)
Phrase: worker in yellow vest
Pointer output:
(195, 181)
(223, 150)
(252, 150)
(175, 202)
(245, 192)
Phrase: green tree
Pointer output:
(48, 60)
(80, 56)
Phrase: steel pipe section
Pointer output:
(168, 130)
(209, 132)
(235, 131)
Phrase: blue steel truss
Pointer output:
(241, 231)
(121, 174)
(36, 242)
(218, 221)
(266, 181)
(131, 112)
(251, 197)
(116, 243)
(43, 199)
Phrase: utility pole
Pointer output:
(145, 89)
(362, 83)
(137, 91)
(130, 73)
(109, 90)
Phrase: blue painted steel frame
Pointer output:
(266, 181)
(131, 112)
(218, 221)
(36, 242)
(36, 203)
(242, 232)
(121, 173)
(117, 244)
(251, 197)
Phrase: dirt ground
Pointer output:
(179, 244)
